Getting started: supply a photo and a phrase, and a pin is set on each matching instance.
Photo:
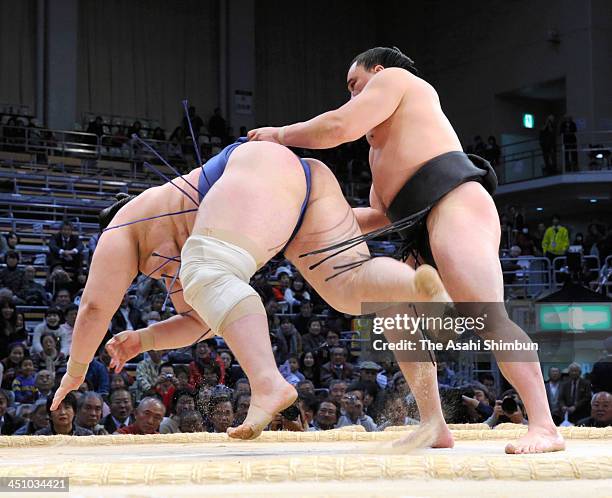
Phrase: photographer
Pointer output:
(508, 409)
(478, 405)
(290, 420)
(353, 413)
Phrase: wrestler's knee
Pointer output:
(215, 278)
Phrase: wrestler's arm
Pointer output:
(375, 104)
(373, 217)
(113, 268)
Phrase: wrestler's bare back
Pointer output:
(417, 131)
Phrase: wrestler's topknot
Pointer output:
(386, 57)
(107, 214)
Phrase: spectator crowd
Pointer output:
(202, 388)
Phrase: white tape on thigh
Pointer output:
(215, 277)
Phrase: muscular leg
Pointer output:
(255, 205)
(329, 219)
(464, 235)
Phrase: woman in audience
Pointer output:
(12, 363)
(50, 358)
(51, 325)
(310, 368)
(9, 332)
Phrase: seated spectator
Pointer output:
(135, 129)
(205, 359)
(284, 282)
(291, 370)
(508, 409)
(182, 401)
(290, 419)
(98, 374)
(326, 416)
(488, 381)
(38, 419)
(66, 328)
(147, 373)
(8, 423)
(601, 375)
(478, 406)
(66, 249)
(148, 417)
(337, 367)
(62, 420)
(191, 421)
(119, 381)
(308, 408)
(242, 387)
(233, 372)
(354, 414)
(305, 388)
(337, 390)
(302, 320)
(58, 280)
(89, 413)
(396, 414)
(50, 358)
(51, 325)
(127, 317)
(575, 396)
(45, 380)
(309, 366)
(314, 339)
(553, 391)
(601, 411)
(24, 384)
(120, 404)
(12, 363)
(33, 293)
(159, 134)
(96, 127)
(241, 408)
(165, 385)
(221, 414)
(12, 241)
(446, 377)
(290, 335)
(12, 277)
(297, 294)
(9, 332)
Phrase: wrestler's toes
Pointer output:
(244, 431)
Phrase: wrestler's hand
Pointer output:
(267, 134)
(122, 348)
(69, 383)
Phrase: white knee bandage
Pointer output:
(215, 277)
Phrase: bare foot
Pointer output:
(429, 286)
(537, 441)
(430, 435)
(264, 405)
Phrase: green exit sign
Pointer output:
(573, 317)
(528, 120)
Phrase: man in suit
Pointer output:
(553, 391)
(601, 375)
(127, 317)
(121, 409)
(337, 367)
(575, 398)
(66, 249)
(8, 423)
